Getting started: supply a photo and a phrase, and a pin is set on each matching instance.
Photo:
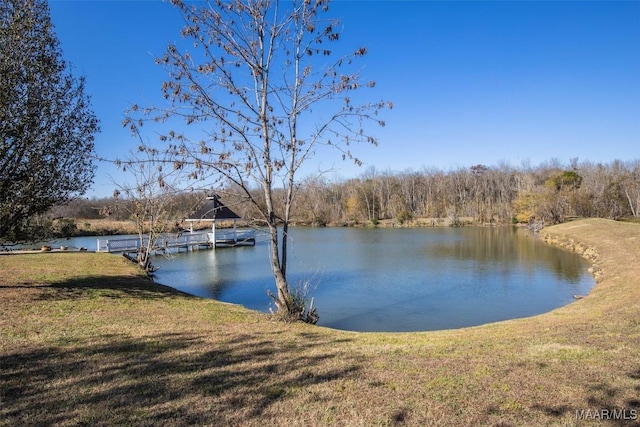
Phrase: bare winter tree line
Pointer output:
(550, 192)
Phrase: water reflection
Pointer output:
(392, 279)
(502, 246)
(396, 279)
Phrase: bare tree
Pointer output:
(249, 81)
(151, 201)
(631, 187)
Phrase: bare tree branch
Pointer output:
(255, 71)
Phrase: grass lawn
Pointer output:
(85, 339)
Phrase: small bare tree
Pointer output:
(265, 90)
(150, 200)
(631, 185)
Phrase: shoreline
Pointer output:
(163, 357)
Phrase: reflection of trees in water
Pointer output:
(429, 278)
(507, 245)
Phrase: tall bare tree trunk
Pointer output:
(282, 299)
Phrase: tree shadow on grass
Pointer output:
(167, 379)
(607, 402)
(104, 286)
(229, 377)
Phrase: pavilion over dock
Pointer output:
(214, 210)
(211, 211)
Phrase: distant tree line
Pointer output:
(121, 208)
(551, 192)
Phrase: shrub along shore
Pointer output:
(86, 339)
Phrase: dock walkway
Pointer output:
(187, 241)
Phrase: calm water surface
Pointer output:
(395, 279)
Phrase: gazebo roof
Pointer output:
(211, 210)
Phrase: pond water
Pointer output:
(395, 279)
(392, 279)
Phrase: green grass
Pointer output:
(85, 339)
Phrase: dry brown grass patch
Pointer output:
(85, 340)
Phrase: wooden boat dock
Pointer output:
(187, 241)
(211, 211)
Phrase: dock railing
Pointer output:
(182, 240)
(227, 236)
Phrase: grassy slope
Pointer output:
(84, 339)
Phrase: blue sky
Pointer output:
(471, 81)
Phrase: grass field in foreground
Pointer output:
(85, 339)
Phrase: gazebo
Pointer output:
(213, 209)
